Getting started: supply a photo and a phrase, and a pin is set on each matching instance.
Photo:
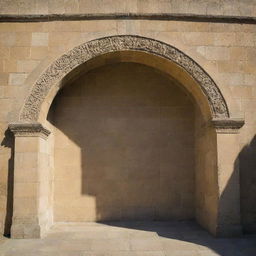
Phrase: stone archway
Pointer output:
(83, 53)
(217, 176)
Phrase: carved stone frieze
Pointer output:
(84, 52)
(29, 130)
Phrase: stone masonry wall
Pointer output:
(209, 7)
(120, 133)
(226, 51)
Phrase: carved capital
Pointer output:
(228, 125)
(29, 130)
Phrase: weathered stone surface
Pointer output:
(238, 8)
(219, 49)
(172, 239)
(17, 78)
(137, 110)
(23, 130)
(39, 39)
(87, 51)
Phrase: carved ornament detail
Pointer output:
(29, 130)
(84, 52)
(231, 125)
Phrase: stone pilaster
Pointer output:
(31, 216)
(228, 208)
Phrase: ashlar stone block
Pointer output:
(39, 39)
(17, 78)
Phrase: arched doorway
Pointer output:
(214, 133)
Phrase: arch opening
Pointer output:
(188, 205)
(124, 135)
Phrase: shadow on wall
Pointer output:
(104, 192)
(247, 159)
(8, 142)
(127, 127)
(189, 232)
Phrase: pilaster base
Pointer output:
(26, 231)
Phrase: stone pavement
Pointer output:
(127, 239)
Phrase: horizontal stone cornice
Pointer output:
(128, 16)
(227, 125)
(29, 130)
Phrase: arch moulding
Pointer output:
(86, 51)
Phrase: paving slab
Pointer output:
(129, 239)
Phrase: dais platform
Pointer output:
(129, 239)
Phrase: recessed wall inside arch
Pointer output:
(124, 146)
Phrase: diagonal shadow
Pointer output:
(8, 141)
(69, 115)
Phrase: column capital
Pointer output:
(29, 130)
(227, 125)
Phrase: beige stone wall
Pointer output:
(206, 197)
(33, 186)
(210, 7)
(124, 147)
(225, 51)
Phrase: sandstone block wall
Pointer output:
(124, 147)
(209, 7)
(226, 51)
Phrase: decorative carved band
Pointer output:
(227, 125)
(84, 52)
(29, 129)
